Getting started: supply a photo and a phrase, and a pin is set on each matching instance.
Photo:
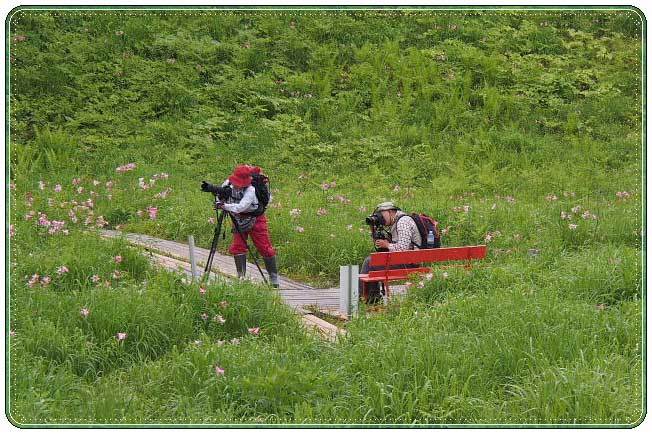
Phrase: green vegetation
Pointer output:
(521, 130)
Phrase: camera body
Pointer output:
(222, 193)
(375, 219)
(378, 231)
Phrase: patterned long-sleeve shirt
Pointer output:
(241, 200)
(405, 234)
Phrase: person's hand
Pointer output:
(219, 205)
(382, 244)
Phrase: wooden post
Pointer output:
(193, 264)
(349, 290)
(353, 295)
(345, 290)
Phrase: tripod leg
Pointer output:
(211, 253)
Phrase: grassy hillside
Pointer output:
(521, 130)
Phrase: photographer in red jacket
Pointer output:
(247, 201)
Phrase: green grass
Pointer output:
(519, 130)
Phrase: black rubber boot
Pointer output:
(270, 265)
(241, 265)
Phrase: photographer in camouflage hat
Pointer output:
(403, 234)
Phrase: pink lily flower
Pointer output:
(33, 280)
(126, 168)
(152, 212)
(43, 220)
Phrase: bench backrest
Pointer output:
(385, 259)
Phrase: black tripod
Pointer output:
(216, 237)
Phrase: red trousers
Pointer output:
(260, 237)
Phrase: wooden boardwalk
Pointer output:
(323, 328)
(174, 255)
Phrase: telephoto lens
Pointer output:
(222, 192)
(206, 187)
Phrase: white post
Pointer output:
(345, 290)
(353, 294)
(193, 264)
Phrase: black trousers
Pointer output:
(373, 288)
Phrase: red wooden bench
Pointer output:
(419, 257)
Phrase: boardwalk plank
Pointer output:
(175, 255)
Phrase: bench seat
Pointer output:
(410, 257)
